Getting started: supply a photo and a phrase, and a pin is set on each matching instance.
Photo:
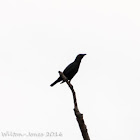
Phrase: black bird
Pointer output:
(71, 69)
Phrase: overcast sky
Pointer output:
(40, 37)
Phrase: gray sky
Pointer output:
(40, 37)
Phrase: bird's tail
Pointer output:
(58, 80)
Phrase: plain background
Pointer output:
(40, 37)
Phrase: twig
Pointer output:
(78, 115)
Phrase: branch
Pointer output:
(78, 115)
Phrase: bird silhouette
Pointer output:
(71, 69)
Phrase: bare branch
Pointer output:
(78, 115)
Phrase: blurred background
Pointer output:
(38, 38)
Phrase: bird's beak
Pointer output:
(84, 54)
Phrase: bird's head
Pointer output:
(79, 57)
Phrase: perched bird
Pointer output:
(71, 69)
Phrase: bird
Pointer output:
(71, 69)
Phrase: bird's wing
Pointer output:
(68, 69)
(71, 69)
